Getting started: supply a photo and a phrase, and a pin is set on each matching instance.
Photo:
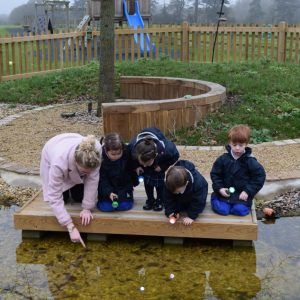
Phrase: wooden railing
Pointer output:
(23, 56)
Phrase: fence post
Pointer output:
(185, 42)
(281, 55)
(1, 63)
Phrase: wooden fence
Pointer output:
(24, 56)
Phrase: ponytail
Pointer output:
(145, 150)
(86, 153)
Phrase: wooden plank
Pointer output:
(291, 47)
(253, 46)
(66, 52)
(13, 57)
(19, 51)
(126, 46)
(204, 46)
(82, 51)
(259, 46)
(272, 45)
(222, 47)
(228, 46)
(234, 47)
(72, 44)
(240, 46)
(37, 215)
(296, 60)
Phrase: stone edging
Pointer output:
(6, 165)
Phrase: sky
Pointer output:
(6, 6)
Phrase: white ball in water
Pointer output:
(10, 63)
(142, 288)
(172, 276)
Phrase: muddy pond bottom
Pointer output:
(144, 268)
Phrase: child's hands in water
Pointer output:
(86, 216)
(243, 196)
(224, 192)
(187, 221)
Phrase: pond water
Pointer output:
(54, 268)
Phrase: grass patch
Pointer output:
(264, 95)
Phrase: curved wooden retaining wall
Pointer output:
(165, 102)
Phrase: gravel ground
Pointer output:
(22, 140)
(14, 195)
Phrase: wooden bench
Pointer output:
(37, 216)
(165, 102)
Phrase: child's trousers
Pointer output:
(106, 205)
(224, 208)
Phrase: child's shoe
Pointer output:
(149, 204)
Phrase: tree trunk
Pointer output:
(107, 42)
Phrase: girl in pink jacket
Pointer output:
(69, 168)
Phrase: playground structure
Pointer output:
(43, 22)
(134, 12)
(167, 103)
(94, 9)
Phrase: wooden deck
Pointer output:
(36, 215)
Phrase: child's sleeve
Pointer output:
(104, 187)
(170, 157)
(198, 201)
(216, 175)
(258, 177)
(170, 205)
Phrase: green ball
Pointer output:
(115, 204)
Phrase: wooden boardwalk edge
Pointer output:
(36, 215)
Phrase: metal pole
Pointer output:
(216, 34)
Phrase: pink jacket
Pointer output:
(59, 173)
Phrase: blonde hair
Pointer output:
(86, 153)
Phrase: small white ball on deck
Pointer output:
(142, 288)
(172, 276)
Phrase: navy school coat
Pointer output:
(194, 196)
(244, 174)
(116, 176)
(167, 151)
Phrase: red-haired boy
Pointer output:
(236, 175)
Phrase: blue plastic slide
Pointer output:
(135, 21)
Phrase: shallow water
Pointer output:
(54, 268)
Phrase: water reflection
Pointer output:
(54, 268)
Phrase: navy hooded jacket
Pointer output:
(116, 177)
(194, 196)
(244, 174)
(167, 151)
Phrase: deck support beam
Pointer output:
(242, 243)
(96, 237)
(32, 234)
(173, 240)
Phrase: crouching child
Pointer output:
(115, 189)
(185, 191)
